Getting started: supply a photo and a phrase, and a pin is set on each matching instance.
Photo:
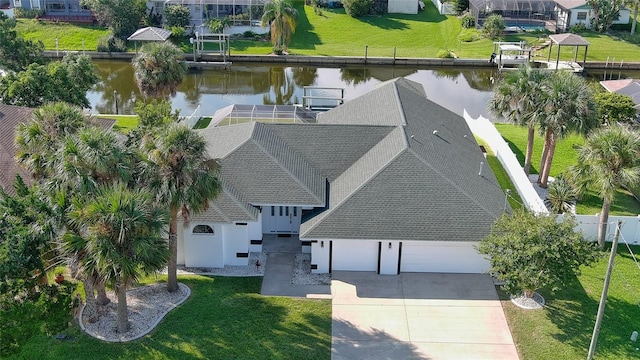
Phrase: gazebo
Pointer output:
(568, 39)
(150, 34)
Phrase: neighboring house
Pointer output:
(629, 87)
(64, 10)
(203, 10)
(573, 12)
(10, 117)
(388, 182)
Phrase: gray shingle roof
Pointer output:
(399, 167)
(227, 207)
(150, 34)
(10, 117)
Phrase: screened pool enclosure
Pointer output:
(527, 14)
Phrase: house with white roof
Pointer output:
(573, 12)
(389, 182)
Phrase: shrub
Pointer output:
(445, 54)
(357, 8)
(177, 32)
(468, 21)
(621, 27)
(578, 28)
(22, 13)
(109, 43)
(177, 15)
(461, 6)
(493, 26)
(468, 36)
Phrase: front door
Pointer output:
(281, 219)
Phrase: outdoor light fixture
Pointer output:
(389, 245)
(321, 244)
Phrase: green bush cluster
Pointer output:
(468, 21)
(177, 15)
(110, 43)
(357, 8)
(493, 26)
(22, 13)
(578, 28)
(445, 54)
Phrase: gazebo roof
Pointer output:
(150, 34)
(569, 39)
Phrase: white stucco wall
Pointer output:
(320, 256)
(236, 240)
(180, 258)
(402, 7)
(203, 250)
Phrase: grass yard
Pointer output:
(565, 156)
(334, 33)
(202, 123)
(501, 175)
(225, 318)
(124, 123)
(69, 36)
(562, 330)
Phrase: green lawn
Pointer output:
(565, 156)
(202, 123)
(225, 318)
(69, 36)
(124, 123)
(562, 330)
(333, 33)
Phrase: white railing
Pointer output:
(484, 129)
(444, 8)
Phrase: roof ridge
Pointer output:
(259, 144)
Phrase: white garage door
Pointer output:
(441, 256)
(354, 255)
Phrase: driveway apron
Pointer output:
(418, 316)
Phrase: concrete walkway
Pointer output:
(418, 316)
(281, 252)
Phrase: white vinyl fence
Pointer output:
(483, 128)
(444, 8)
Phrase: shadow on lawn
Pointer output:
(520, 155)
(305, 36)
(574, 313)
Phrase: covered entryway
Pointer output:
(281, 219)
(441, 256)
(418, 316)
(354, 255)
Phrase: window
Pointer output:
(582, 15)
(203, 229)
(55, 6)
(17, 3)
(273, 211)
(295, 211)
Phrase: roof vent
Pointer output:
(435, 132)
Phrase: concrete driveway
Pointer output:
(418, 316)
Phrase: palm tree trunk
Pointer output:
(602, 226)
(172, 267)
(527, 160)
(548, 161)
(90, 311)
(545, 151)
(123, 317)
(102, 293)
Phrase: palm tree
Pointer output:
(609, 160)
(124, 228)
(561, 196)
(519, 98)
(158, 68)
(570, 107)
(282, 16)
(182, 179)
(37, 139)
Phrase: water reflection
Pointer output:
(212, 89)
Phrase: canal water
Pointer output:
(456, 89)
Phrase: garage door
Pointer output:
(354, 255)
(441, 256)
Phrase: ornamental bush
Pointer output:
(493, 26)
(177, 15)
(357, 8)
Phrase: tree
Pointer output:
(16, 53)
(124, 232)
(635, 16)
(177, 15)
(27, 305)
(604, 13)
(121, 16)
(561, 196)
(67, 80)
(159, 68)
(614, 107)
(181, 178)
(519, 98)
(282, 16)
(608, 161)
(358, 8)
(493, 26)
(570, 107)
(529, 251)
